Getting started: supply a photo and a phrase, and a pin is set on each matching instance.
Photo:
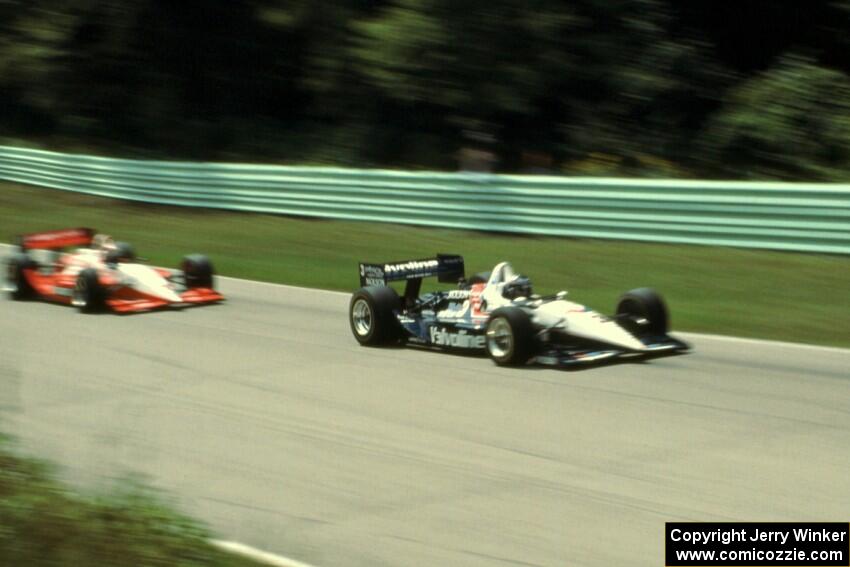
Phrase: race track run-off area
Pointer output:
(263, 417)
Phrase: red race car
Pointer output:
(99, 273)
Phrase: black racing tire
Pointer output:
(197, 271)
(88, 294)
(18, 286)
(642, 311)
(123, 252)
(372, 316)
(510, 338)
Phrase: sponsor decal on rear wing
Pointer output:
(55, 239)
(448, 268)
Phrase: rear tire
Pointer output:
(510, 337)
(197, 270)
(372, 315)
(642, 311)
(88, 295)
(17, 285)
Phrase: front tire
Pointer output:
(510, 339)
(17, 285)
(88, 295)
(642, 312)
(372, 315)
(197, 271)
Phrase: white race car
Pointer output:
(498, 313)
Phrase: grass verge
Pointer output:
(753, 293)
(45, 523)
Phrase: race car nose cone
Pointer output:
(148, 281)
(167, 294)
(588, 324)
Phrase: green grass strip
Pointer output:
(753, 293)
(45, 523)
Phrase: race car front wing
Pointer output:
(566, 355)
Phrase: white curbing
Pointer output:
(255, 554)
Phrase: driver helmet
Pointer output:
(518, 286)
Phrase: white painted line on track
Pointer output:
(255, 554)
(287, 286)
(763, 342)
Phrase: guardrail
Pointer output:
(812, 217)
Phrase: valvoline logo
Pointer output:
(461, 339)
(411, 265)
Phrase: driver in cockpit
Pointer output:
(103, 243)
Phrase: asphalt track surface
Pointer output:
(267, 420)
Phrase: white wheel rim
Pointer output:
(500, 338)
(12, 279)
(361, 317)
(78, 296)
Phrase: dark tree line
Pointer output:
(747, 89)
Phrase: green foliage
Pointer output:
(793, 120)
(414, 83)
(43, 523)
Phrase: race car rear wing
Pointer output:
(55, 239)
(447, 268)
